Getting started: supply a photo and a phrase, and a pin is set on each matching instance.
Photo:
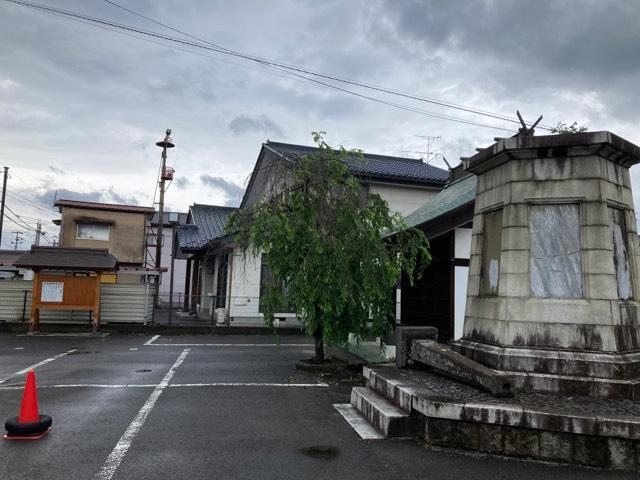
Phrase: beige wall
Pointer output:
(403, 199)
(126, 238)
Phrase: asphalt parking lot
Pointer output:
(204, 407)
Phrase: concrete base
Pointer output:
(603, 375)
(405, 335)
(447, 413)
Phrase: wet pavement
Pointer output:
(203, 407)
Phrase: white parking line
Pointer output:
(248, 384)
(84, 385)
(298, 345)
(114, 459)
(39, 364)
(174, 385)
(152, 339)
(357, 422)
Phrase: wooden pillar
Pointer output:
(187, 285)
(34, 319)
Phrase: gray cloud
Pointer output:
(56, 170)
(181, 182)
(259, 123)
(93, 103)
(232, 192)
(47, 197)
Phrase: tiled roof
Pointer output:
(8, 257)
(112, 207)
(208, 224)
(454, 195)
(64, 258)
(375, 166)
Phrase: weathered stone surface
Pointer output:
(511, 415)
(438, 406)
(569, 419)
(452, 434)
(491, 440)
(562, 428)
(405, 336)
(557, 288)
(454, 365)
(590, 450)
(619, 426)
(395, 385)
(556, 446)
(390, 420)
(622, 453)
(521, 442)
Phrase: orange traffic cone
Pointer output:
(29, 424)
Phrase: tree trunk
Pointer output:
(317, 336)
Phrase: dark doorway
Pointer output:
(428, 301)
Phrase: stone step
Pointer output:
(398, 386)
(388, 419)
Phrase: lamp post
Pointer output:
(166, 143)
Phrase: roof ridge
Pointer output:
(375, 155)
(212, 206)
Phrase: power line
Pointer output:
(282, 65)
(287, 67)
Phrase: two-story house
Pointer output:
(119, 228)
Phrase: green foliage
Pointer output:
(323, 234)
(562, 127)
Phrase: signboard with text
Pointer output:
(52, 292)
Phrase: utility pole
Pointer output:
(38, 232)
(4, 194)
(18, 240)
(166, 143)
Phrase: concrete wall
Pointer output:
(401, 198)
(126, 237)
(598, 320)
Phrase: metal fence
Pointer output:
(119, 303)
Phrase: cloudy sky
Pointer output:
(81, 107)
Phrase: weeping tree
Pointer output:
(328, 244)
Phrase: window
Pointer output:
(620, 252)
(93, 231)
(555, 251)
(491, 248)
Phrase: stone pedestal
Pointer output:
(554, 271)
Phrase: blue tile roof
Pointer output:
(208, 224)
(382, 167)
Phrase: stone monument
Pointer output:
(554, 283)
